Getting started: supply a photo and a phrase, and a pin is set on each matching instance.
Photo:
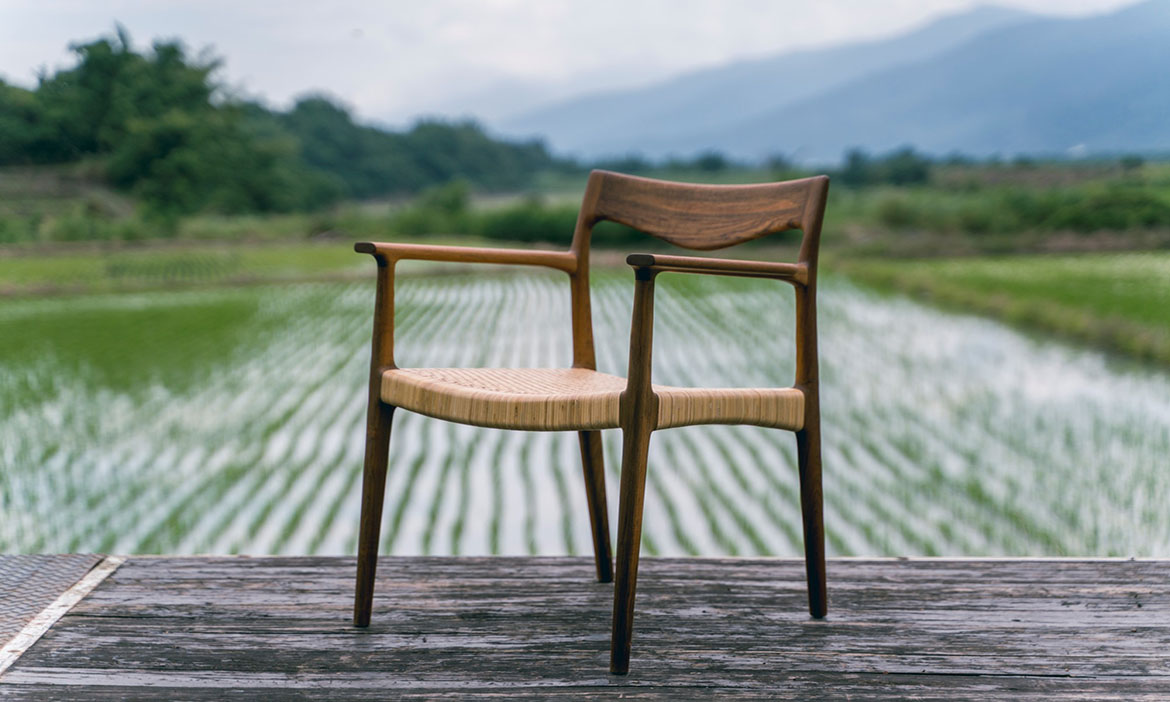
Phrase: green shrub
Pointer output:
(528, 221)
(900, 167)
(1029, 209)
(75, 227)
(133, 229)
(531, 220)
(9, 231)
(977, 219)
(14, 230)
(1117, 207)
(453, 198)
(424, 220)
(896, 212)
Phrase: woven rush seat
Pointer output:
(562, 399)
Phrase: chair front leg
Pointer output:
(373, 495)
(808, 450)
(593, 464)
(635, 447)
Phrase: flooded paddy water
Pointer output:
(232, 421)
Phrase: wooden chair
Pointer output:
(583, 400)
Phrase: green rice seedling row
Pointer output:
(232, 421)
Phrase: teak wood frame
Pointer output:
(701, 217)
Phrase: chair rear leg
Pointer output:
(808, 450)
(373, 495)
(636, 444)
(593, 463)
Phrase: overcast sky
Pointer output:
(394, 61)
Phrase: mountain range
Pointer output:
(987, 81)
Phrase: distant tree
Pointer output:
(181, 162)
(89, 107)
(857, 169)
(630, 163)
(21, 127)
(956, 158)
(905, 167)
(375, 162)
(452, 198)
(711, 162)
(166, 138)
(902, 167)
(782, 168)
(1131, 162)
(367, 161)
(444, 150)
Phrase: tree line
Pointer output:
(156, 124)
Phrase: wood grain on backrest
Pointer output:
(702, 217)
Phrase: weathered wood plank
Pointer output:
(278, 628)
(794, 687)
(790, 686)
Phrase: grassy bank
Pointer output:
(1116, 301)
(82, 268)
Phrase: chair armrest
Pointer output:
(795, 273)
(560, 260)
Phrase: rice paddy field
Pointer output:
(231, 420)
(1118, 301)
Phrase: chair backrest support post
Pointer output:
(382, 348)
(584, 355)
(806, 307)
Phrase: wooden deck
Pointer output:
(278, 628)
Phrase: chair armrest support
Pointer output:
(795, 273)
(560, 260)
(648, 266)
(387, 255)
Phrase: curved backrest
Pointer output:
(701, 217)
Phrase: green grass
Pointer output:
(89, 269)
(1117, 301)
(102, 270)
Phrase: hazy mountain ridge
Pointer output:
(987, 81)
